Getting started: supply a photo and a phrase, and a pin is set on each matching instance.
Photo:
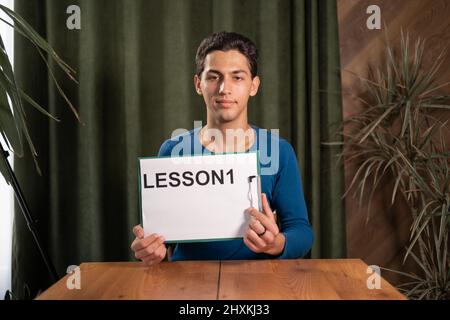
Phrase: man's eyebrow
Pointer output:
(233, 72)
(239, 71)
(214, 71)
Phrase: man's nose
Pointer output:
(225, 86)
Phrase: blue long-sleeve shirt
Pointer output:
(280, 181)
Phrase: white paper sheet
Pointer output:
(212, 208)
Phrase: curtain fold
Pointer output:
(135, 65)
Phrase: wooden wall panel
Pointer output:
(381, 241)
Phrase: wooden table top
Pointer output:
(236, 280)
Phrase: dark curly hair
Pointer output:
(225, 41)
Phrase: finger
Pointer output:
(134, 244)
(138, 232)
(161, 252)
(158, 256)
(265, 221)
(268, 237)
(150, 249)
(256, 225)
(139, 244)
(251, 245)
(152, 238)
(266, 208)
(145, 253)
(254, 238)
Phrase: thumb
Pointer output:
(266, 208)
(138, 232)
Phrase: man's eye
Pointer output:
(212, 78)
(237, 78)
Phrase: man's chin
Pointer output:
(226, 117)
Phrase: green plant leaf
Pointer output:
(13, 125)
(8, 87)
(410, 275)
(420, 263)
(35, 38)
(4, 170)
(376, 123)
(397, 133)
(8, 128)
(37, 106)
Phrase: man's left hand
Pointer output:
(263, 235)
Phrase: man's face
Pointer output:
(226, 85)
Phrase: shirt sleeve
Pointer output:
(289, 202)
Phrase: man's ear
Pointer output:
(255, 85)
(197, 81)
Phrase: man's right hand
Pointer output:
(151, 249)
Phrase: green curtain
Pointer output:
(135, 64)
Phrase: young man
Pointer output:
(226, 78)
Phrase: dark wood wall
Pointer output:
(381, 240)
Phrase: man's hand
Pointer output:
(151, 249)
(263, 234)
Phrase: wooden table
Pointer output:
(236, 280)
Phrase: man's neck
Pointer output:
(233, 136)
(223, 127)
(240, 122)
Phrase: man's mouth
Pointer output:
(225, 103)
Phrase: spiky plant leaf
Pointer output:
(397, 133)
(13, 124)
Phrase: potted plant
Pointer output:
(399, 137)
(13, 125)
